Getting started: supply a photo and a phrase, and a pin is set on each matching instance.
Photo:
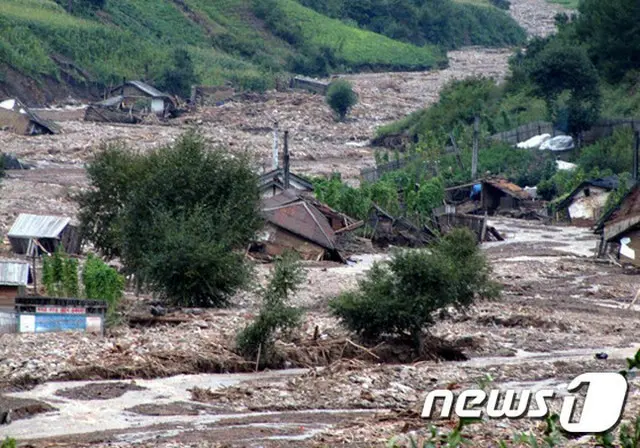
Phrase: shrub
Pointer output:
(275, 314)
(102, 282)
(60, 274)
(341, 98)
(401, 297)
(8, 443)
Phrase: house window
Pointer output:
(587, 192)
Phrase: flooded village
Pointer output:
(169, 376)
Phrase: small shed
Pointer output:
(500, 194)
(43, 233)
(586, 203)
(18, 118)
(133, 92)
(273, 183)
(14, 277)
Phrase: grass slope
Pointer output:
(134, 39)
(354, 47)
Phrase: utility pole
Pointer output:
(636, 157)
(275, 146)
(474, 160)
(287, 166)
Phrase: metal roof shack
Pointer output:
(141, 87)
(14, 273)
(14, 277)
(46, 232)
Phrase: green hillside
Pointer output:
(247, 42)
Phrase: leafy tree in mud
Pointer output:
(178, 217)
(341, 98)
(275, 314)
(401, 297)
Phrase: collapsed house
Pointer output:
(585, 205)
(211, 95)
(18, 118)
(37, 234)
(388, 230)
(14, 277)
(619, 229)
(489, 196)
(301, 224)
(130, 103)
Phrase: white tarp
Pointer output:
(559, 143)
(534, 142)
(565, 166)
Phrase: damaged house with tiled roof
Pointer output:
(295, 222)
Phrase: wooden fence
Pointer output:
(524, 132)
(374, 174)
(601, 129)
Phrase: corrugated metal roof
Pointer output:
(38, 226)
(110, 102)
(146, 88)
(14, 273)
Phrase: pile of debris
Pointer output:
(18, 118)
(130, 103)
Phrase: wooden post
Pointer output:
(456, 150)
(287, 167)
(35, 269)
(275, 146)
(636, 157)
(474, 160)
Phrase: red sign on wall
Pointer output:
(60, 310)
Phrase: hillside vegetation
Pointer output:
(587, 71)
(446, 23)
(247, 42)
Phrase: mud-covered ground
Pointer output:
(558, 310)
(164, 382)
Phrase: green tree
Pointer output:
(568, 81)
(275, 314)
(611, 31)
(178, 78)
(341, 98)
(112, 174)
(180, 224)
(401, 297)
